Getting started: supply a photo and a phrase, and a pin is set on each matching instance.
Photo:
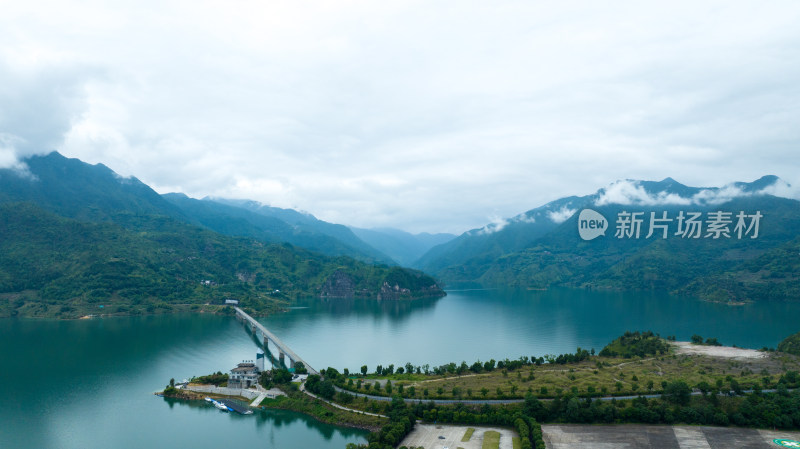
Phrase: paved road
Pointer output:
(514, 401)
(341, 407)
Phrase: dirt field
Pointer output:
(427, 436)
(685, 347)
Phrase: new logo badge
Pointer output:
(591, 224)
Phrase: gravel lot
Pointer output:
(632, 436)
(427, 436)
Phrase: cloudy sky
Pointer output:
(426, 116)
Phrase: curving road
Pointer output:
(514, 401)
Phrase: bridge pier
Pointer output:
(263, 334)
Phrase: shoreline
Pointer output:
(295, 402)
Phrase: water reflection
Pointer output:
(269, 419)
(482, 324)
(400, 310)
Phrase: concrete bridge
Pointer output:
(283, 351)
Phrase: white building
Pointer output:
(245, 375)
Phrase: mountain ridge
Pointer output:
(555, 255)
(78, 239)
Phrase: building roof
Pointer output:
(245, 367)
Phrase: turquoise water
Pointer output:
(89, 383)
(484, 324)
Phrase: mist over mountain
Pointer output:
(269, 224)
(542, 247)
(401, 246)
(75, 189)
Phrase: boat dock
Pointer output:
(235, 406)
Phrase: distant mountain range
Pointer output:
(542, 247)
(403, 247)
(76, 236)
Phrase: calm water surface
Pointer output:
(88, 383)
(484, 324)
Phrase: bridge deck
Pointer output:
(275, 340)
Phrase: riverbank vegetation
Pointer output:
(636, 363)
(302, 403)
(688, 388)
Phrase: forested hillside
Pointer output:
(57, 266)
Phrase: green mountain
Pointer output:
(725, 269)
(309, 224)
(496, 239)
(401, 246)
(288, 226)
(72, 188)
(57, 266)
(79, 239)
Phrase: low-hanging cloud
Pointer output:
(630, 192)
(39, 107)
(561, 215)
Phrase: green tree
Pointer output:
(677, 392)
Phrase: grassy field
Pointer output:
(601, 376)
(299, 402)
(468, 434)
(491, 440)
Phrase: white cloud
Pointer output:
(718, 196)
(561, 215)
(496, 224)
(523, 218)
(633, 193)
(418, 115)
(629, 192)
(782, 189)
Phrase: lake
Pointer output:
(89, 383)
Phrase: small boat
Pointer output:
(221, 406)
(218, 404)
